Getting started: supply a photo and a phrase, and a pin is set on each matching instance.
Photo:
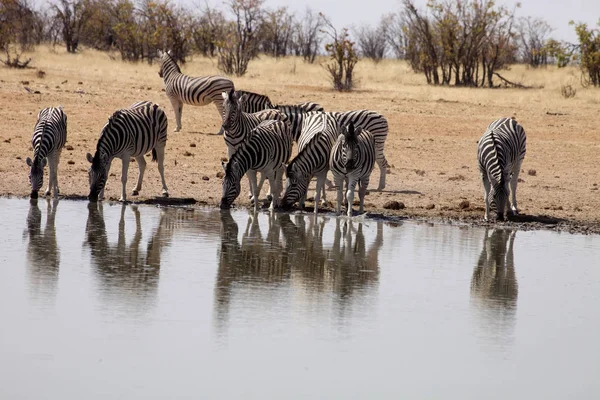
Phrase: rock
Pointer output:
(205, 178)
(187, 153)
(463, 205)
(532, 172)
(192, 144)
(220, 174)
(430, 206)
(71, 162)
(394, 205)
(69, 147)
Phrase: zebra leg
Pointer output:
(339, 182)
(251, 174)
(320, 181)
(273, 188)
(178, 109)
(142, 167)
(513, 187)
(321, 189)
(276, 187)
(362, 191)
(160, 160)
(383, 164)
(124, 178)
(350, 195)
(52, 166)
(486, 191)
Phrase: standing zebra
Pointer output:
(319, 132)
(49, 137)
(254, 102)
(295, 114)
(500, 152)
(377, 125)
(267, 149)
(130, 132)
(352, 160)
(182, 89)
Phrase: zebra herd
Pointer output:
(259, 136)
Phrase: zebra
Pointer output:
(182, 89)
(319, 132)
(49, 137)
(295, 114)
(352, 160)
(500, 153)
(254, 102)
(266, 149)
(377, 125)
(129, 132)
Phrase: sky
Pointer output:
(349, 13)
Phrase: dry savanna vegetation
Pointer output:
(431, 145)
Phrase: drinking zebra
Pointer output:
(500, 152)
(254, 102)
(352, 160)
(49, 137)
(267, 149)
(182, 89)
(295, 114)
(129, 132)
(319, 132)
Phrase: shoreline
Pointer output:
(471, 218)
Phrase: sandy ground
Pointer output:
(431, 145)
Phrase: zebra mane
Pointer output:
(36, 151)
(501, 180)
(298, 157)
(169, 57)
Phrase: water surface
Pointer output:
(111, 301)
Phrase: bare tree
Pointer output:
(533, 35)
(18, 22)
(372, 41)
(72, 15)
(240, 44)
(308, 35)
(276, 32)
(395, 34)
(343, 57)
(208, 29)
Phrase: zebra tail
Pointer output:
(153, 154)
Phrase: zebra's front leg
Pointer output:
(160, 160)
(124, 178)
(178, 109)
(350, 195)
(513, 187)
(339, 182)
(52, 178)
(486, 191)
(320, 189)
(276, 187)
(142, 168)
(362, 191)
(251, 174)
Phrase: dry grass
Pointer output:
(432, 129)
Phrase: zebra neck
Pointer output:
(170, 68)
(240, 163)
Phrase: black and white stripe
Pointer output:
(182, 89)
(266, 149)
(254, 102)
(295, 114)
(129, 132)
(319, 133)
(377, 125)
(500, 153)
(352, 160)
(49, 137)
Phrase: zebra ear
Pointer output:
(29, 161)
(243, 99)
(225, 95)
(224, 165)
(89, 157)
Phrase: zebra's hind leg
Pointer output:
(142, 167)
(350, 195)
(53, 174)
(339, 182)
(178, 109)
(486, 191)
(320, 189)
(160, 160)
(251, 174)
(513, 187)
(383, 165)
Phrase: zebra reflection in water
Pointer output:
(43, 253)
(123, 269)
(292, 262)
(494, 288)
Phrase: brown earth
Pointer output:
(431, 144)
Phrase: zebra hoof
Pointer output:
(135, 193)
(47, 193)
(269, 197)
(165, 194)
(177, 129)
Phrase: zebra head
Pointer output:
(499, 197)
(231, 184)
(98, 173)
(36, 174)
(349, 145)
(232, 108)
(296, 185)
